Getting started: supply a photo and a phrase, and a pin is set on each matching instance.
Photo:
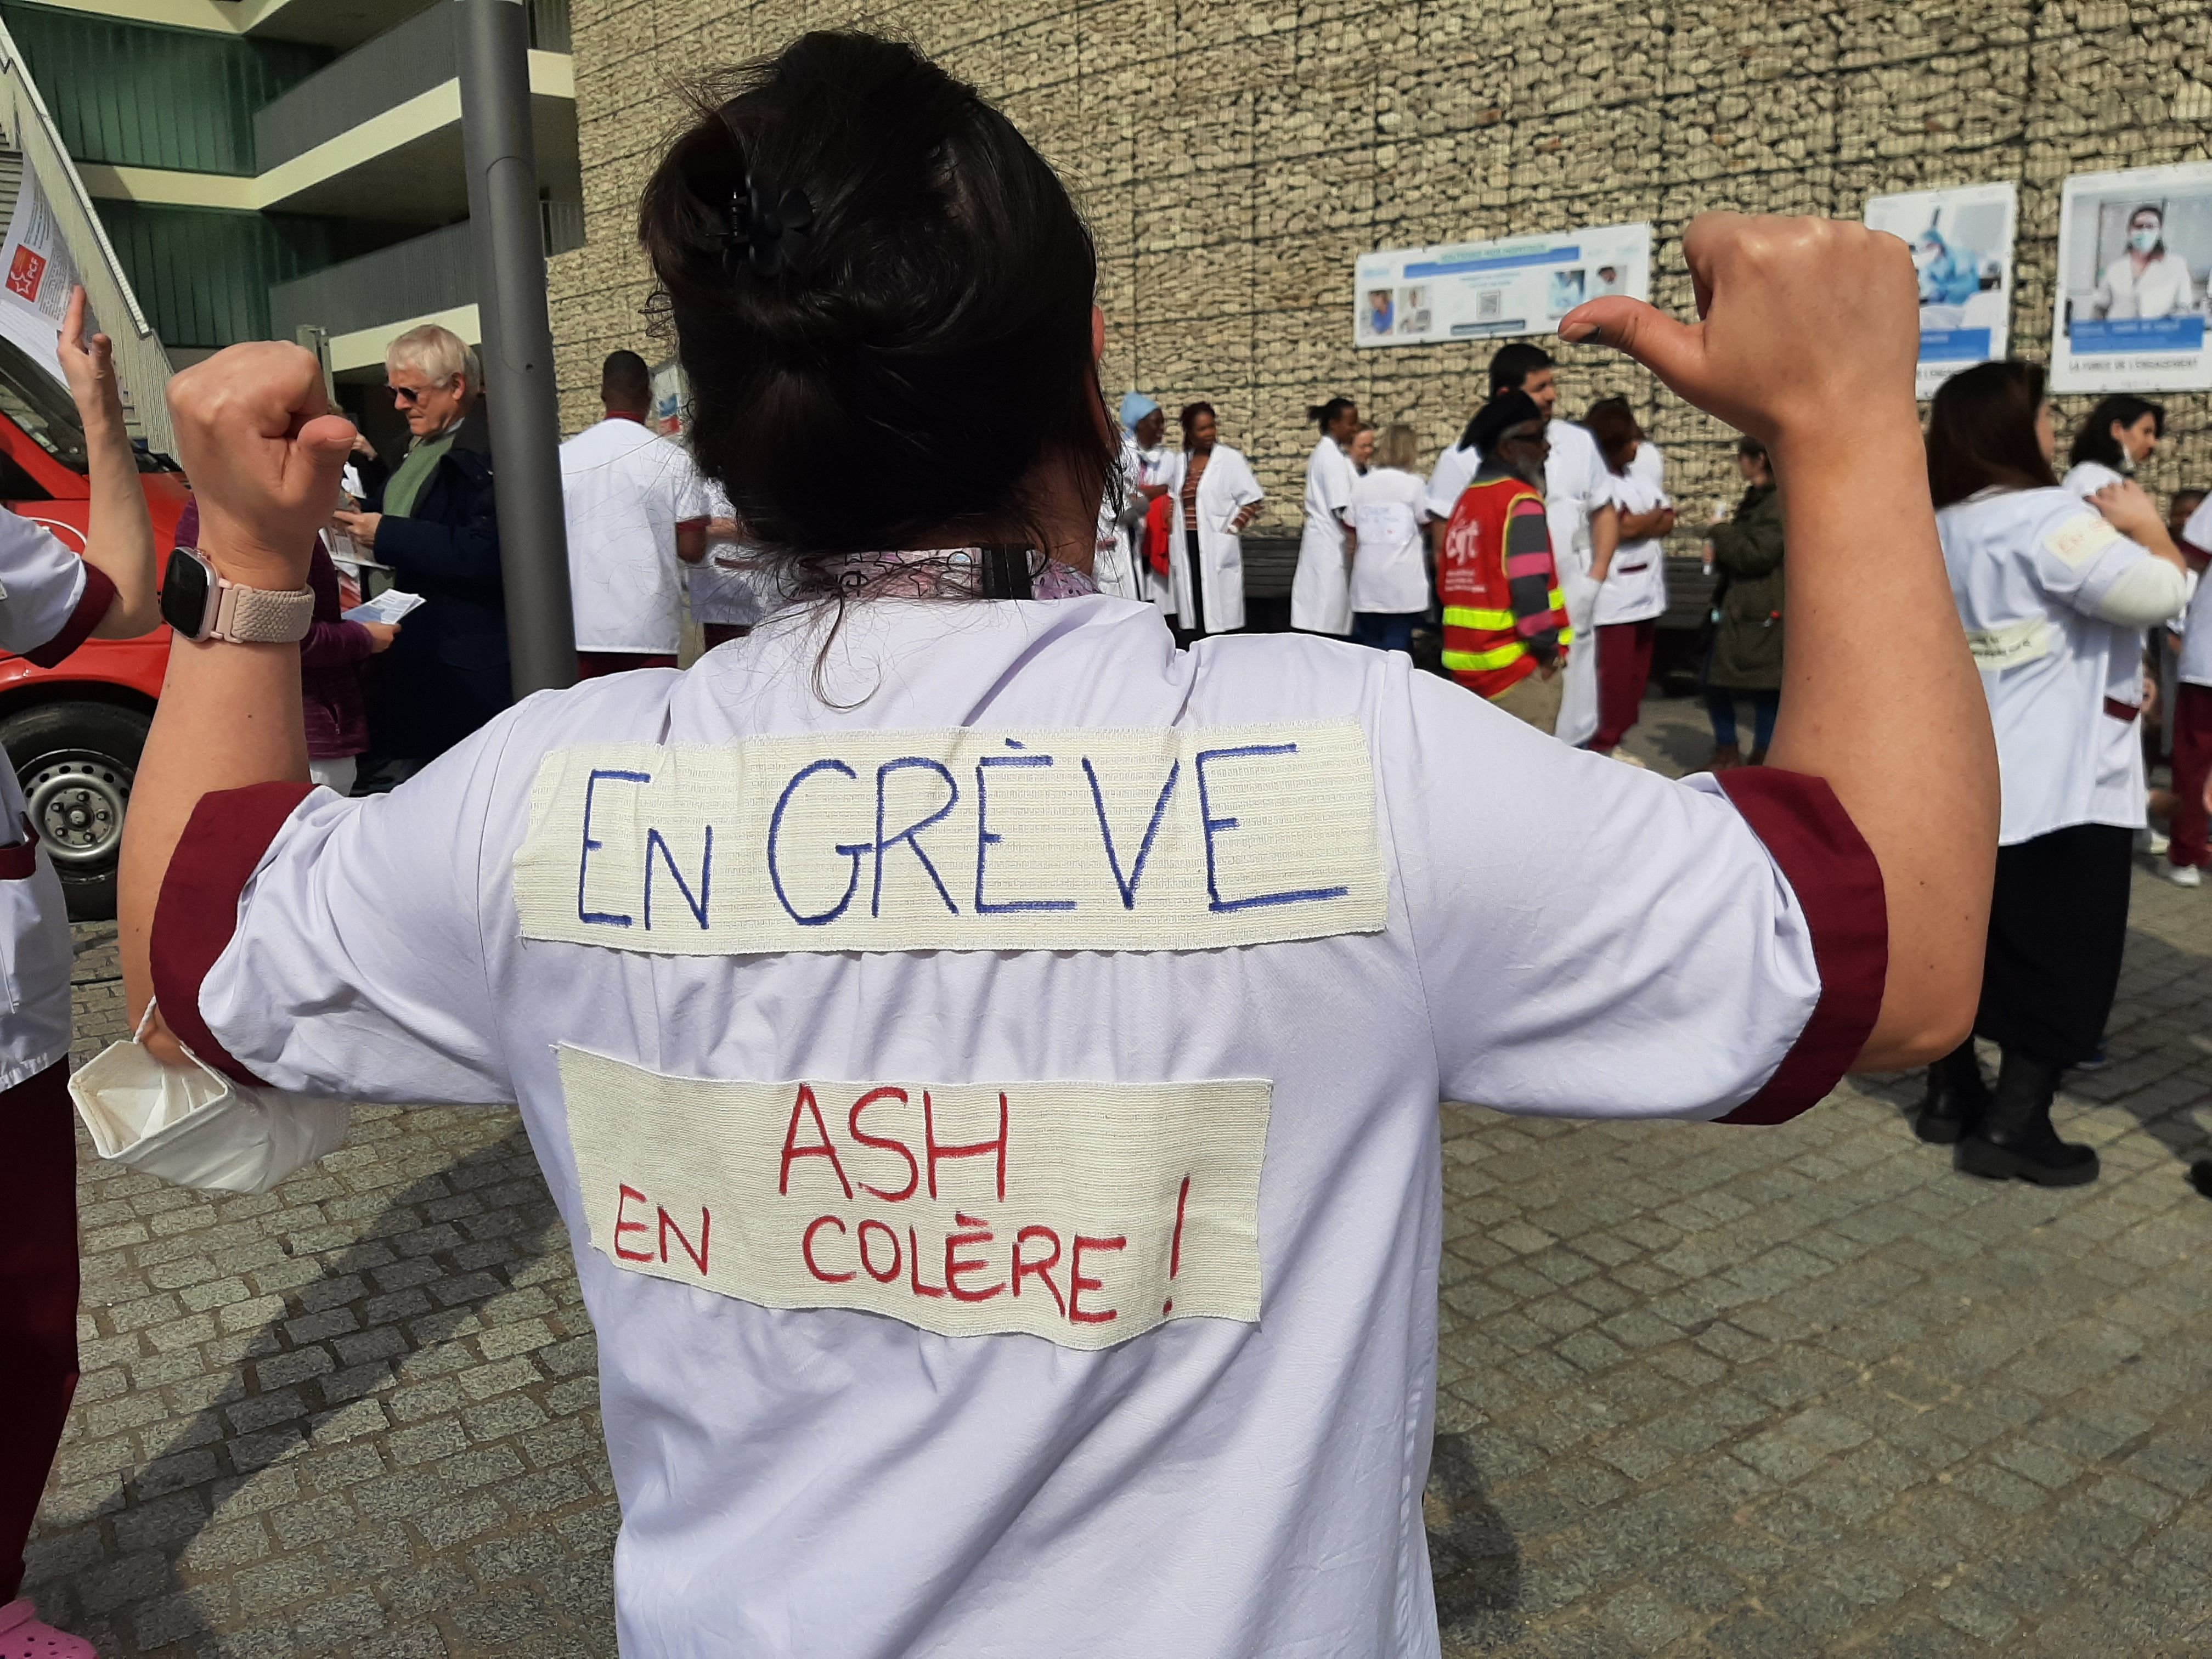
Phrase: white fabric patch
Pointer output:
(2077, 539)
(1998, 649)
(1085, 1213)
(1165, 839)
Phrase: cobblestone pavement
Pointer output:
(1705, 1392)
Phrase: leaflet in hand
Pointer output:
(388, 606)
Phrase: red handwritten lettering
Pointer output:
(823, 1148)
(868, 1261)
(914, 1268)
(1077, 1284)
(1042, 1266)
(698, 1256)
(913, 1169)
(806, 1249)
(622, 1226)
(974, 1149)
(956, 1265)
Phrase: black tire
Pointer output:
(77, 761)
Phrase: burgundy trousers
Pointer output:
(1624, 669)
(37, 1301)
(2192, 763)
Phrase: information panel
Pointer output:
(1484, 290)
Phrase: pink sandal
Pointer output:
(23, 1636)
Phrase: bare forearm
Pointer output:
(1879, 698)
(1605, 541)
(120, 538)
(228, 716)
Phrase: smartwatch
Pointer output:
(202, 605)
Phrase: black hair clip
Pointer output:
(763, 229)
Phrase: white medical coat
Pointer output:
(1389, 574)
(813, 1480)
(1321, 594)
(624, 489)
(1575, 483)
(1115, 566)
(1635, 588)
(2196, 630)
(1226, 486)
(50, 602)
(2163, 290)
(2027, 568)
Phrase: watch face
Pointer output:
(185, 587)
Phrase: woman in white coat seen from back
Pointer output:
(1389, 587)
(1216, 497)
(1320, 595)
(2054, 592)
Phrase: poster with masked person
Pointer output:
(2135, 253)
(1961, 242)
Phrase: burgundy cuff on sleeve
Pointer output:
(197, 911)
(1838, 883)
(91, 605)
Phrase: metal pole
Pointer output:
(518, 341)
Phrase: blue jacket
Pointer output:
(446, 674)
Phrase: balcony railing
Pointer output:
(424, 274)
(402, 63)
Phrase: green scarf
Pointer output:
(414, 472)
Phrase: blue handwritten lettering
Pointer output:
(655, 842)
(884, 843)
(598, 918)
(853, 851)
(985, 840)
(1145, 848)
(1210, 823)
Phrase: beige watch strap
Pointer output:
(262, 616)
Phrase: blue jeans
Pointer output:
(1386, 630)
(1720, 705)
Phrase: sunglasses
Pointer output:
(411, 394)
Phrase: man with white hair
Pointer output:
(434, 523)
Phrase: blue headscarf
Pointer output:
(1134, 407)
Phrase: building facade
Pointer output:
(1235, 160)
(267, 167)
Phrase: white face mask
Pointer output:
(1923, 255)
(193, 1126)
(2143, 238)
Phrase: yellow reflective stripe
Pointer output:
(1566, 637)
(1474, 661)
(1461, 616)
(1557, 600)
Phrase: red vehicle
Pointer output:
(74, 732)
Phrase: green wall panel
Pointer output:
(141, 95)
(203, 274)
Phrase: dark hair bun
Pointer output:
(881, 295)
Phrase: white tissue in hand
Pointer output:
(191, 1125)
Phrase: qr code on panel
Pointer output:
(1489, 305)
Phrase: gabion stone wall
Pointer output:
(1235, 159)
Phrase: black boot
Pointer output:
(1955, 1100)
(2015, 1137)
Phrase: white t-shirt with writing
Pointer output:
(1635, 588)
(2027, 569)
(989, 1070)
(48, 596)
(625, 488)
(1388, 573)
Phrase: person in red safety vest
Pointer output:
(1505, 623)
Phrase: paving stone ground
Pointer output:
(1705, 1393)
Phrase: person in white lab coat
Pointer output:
(2054, 592)
(1389, 589)
(2147, 280)
(731, 593)
(637, 512)
(1632, 586)
(2115, 438)
(1101, 1316)
(1321, 597)
(52, 601)
(1147, 469)
(1216, 497)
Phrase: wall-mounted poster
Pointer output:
(1961, 243)
(1486, 290)
(2135, 253)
